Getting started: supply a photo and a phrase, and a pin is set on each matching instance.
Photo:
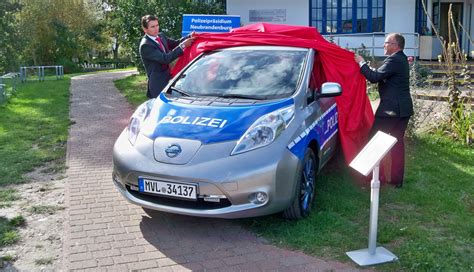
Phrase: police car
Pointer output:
(239, 132)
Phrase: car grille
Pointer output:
(198, 204)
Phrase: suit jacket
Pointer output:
(393, 79)
(156, 61)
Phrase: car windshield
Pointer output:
(253, 73)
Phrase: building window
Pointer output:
(348, 16)
(421, 18)
(378, 8)
(362, 19)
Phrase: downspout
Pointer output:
(469, 30)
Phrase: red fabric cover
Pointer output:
(355, 114)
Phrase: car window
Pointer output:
(258, 73)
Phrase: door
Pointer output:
(443, 22)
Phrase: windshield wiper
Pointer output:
(242, 96)
(181, 92)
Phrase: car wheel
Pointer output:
(305, 188)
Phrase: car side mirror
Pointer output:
(330, 89)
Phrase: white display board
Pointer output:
(373, 152)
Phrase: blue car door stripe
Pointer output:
(323, 129)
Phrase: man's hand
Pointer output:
(358, 58)
(187, 43)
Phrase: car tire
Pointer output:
(305, 188)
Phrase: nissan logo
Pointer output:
(173, 150)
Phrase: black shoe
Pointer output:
(397, 185)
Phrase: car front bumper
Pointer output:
(226, 184)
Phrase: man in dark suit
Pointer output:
(396, 105)
(157, 52)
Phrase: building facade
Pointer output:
(362, 24)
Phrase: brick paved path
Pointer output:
(103, 232)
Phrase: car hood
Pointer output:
(207, 124)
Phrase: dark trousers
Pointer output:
(395, 127)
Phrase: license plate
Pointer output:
(157, 187)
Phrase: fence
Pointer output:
(104, 65)
(13, 77)
(39, 70)
(373, 42)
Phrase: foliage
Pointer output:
(44, 209)
(44, 261)
(460, 121)
(9, 39)
(33, 128)
(58, 30)
(463, 124)
(68, 32)
(128, 14)
(423, 110)
(8, 233)
(428, 220)
(9, 89)
(460, 127)
(372, 89)
(7, 196)
(418, 75)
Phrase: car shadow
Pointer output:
(200, 243)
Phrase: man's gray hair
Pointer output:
(399, 39)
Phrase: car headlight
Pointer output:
(137, 119)
(265, 130)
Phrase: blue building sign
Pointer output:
(209, 23)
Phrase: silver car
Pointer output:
(239, 132)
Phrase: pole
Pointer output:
(374, 209)
(373, 254)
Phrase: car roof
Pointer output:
(264, 47)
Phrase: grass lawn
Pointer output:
(33, 132)
(428, 224)
(33, 128)
(133, 88)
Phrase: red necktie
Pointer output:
(158, 40)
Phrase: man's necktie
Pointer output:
(158, 40)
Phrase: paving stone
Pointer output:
(140, 266)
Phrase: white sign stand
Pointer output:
(369, 160)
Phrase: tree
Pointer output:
(129, 12)
(112, 25)
(59, 31)
(9, 39)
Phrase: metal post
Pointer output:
(373, 44)
(373, 254)
(2, 93)
(374, 209)
(22, 74)
(14, 82)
